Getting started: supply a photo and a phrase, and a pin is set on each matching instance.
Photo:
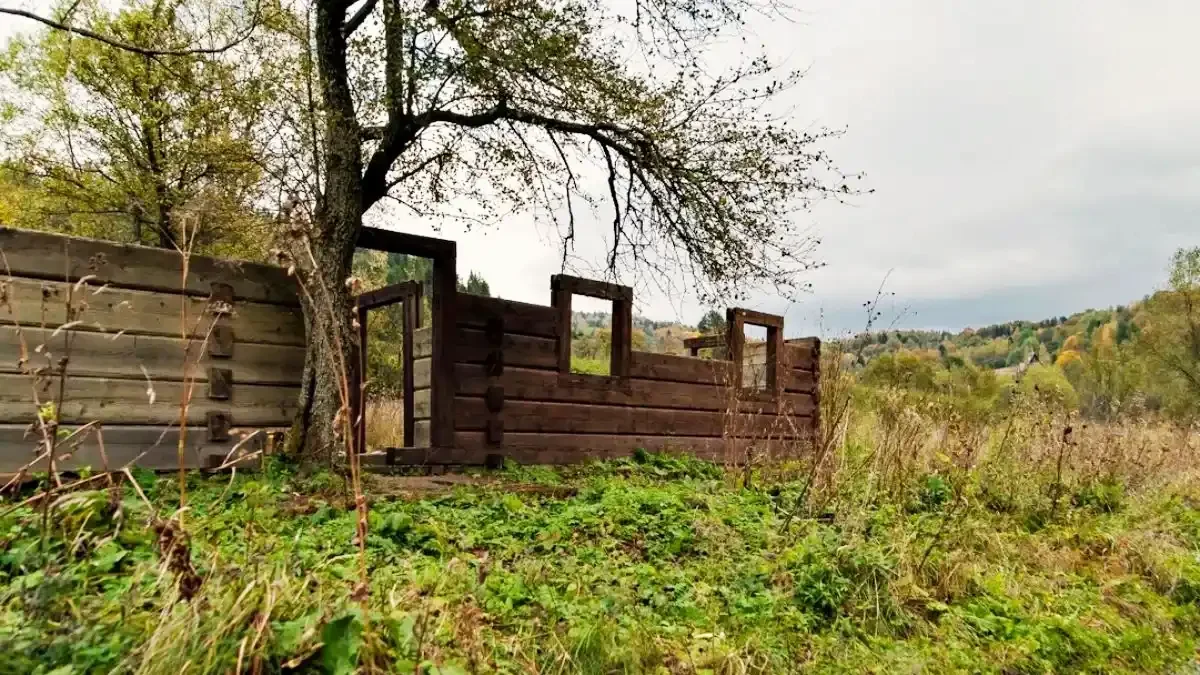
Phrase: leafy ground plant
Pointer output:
(648, 565)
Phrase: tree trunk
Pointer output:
(166, 229)
(331, 365)
(324, 253)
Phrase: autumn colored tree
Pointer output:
(1050, 386)
(1169, 334)
(106, 142)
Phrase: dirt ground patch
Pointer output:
(417, 487)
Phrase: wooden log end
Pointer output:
(495, 398)
(220, 343)
(494, 329)
(495, 432)
(220, 384)
(219, 425)
(221, 292)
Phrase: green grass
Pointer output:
(649, 565)
(586, 366)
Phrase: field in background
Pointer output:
(385, 423)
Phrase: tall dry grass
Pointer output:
(385, 423)
(894, 444)
(1016, 452)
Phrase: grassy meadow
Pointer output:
(927, 539)
(948, 518)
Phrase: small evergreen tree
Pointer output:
(711, 323)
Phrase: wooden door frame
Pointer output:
(444, 301)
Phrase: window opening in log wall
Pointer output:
(754, 358)
(591, 335)
(563, 290)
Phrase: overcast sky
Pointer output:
(1028, 159)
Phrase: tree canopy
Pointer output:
(1170, 333)
(109, 143)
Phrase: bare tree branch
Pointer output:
(359, 17)
(424, 164)
(125, 46)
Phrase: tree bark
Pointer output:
(324, 253)
(331, 365)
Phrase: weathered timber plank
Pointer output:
(704, 342)
(541, 385)
(756, 318)
(421, 434)
(471, 414)
(162, 358)
(108, 401)
(560, 302)
(422, 373)
(51, 256)
(471, 447)
(519, 317)
(522, 351)
(798, 381)
(810, 343)
(590, 287)
(423, 342)
(622, 337)
(379, 239)
(153, 447)
(444, 308)
(388, 295)
(412, 312)
(421, 404)
(43, 303)
(800, 355)
(672, 368)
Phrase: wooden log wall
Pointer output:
(513, 399)
(125, 339)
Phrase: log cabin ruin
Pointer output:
(109, 339)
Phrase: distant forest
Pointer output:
(997, 346)
(1007, 344)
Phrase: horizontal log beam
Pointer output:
(590, 288)
(542, 385)
(150, 447)
(388, 295)
(136, 357)
(111, 401)
(472, 448)
(111, 310)
(42, 255)
(471, 414)
(378, 239)
(756, 318)
(801, 356)
(474, 311)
